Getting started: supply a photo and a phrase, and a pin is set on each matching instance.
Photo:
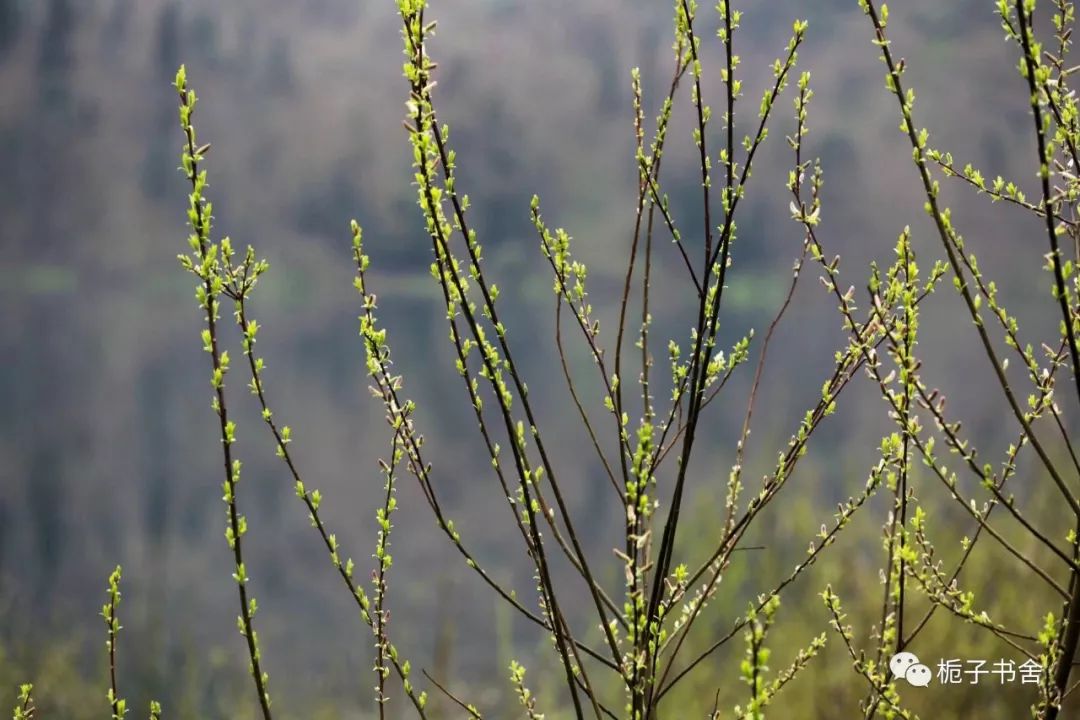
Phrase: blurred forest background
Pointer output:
(108, 453)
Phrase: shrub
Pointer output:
(627, 651)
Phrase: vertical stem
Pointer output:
(1071, 638)
(211, 286)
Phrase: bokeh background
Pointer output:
(108, 452)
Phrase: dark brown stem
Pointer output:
(1072, 623)
(454, 698)
(202, 230)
